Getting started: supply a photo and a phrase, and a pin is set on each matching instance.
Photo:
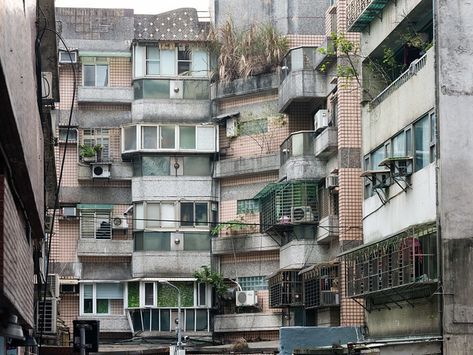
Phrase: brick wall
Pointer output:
(17, 268)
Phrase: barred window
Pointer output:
(247, 206)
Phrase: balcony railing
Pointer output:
(414, 68)
(321, 286)
(397, 266)
(191, 89)
(360, 13)
(285, 289)
(283, 205)
(298, 144)
(163, 319)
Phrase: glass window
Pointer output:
(96, 297)
(200, 62)
(102, 306)
(152, 215)
(133, 294)
(152, 60)
(433, 130)
(129, 137)
(157, 241)
(149, 138)
(156, 166)
(196, 166)
(168, 62)
(422, 143)
(167, 137)
(202, 293)
(98, 137)
(102, 75)
(149, 293)
(138, 216)
(196, 241)
(168, 215)
(409, 142)
(167, 295)
(184, 59)
(205, 138)
(88, 298)
(89, 75)
(95, 72)
(187, 214)
(187, 137)
(247, 206)
(95, 224)
(376, 157)
(399, 147)
(201, 214)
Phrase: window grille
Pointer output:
(321, 286)
(285, 289)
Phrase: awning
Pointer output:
(272, 186)
(85, 206)
(104, 54)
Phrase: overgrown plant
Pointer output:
(88, 151)
(240, 54)
(207, 276)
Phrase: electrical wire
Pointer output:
(61, 172)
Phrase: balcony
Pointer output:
(288, 204)
(300, 82)
(104, 247)
(326, 143)
(321, 286)
(246, 165)
(250, 85)
(247, 322)
(297, 157)
(153, 319)
(111, 95)
(118, 170)
(243, 243)
(360, 13)
(400, 267)
(285, 289)
(186, 98)
(325, 54)
(327, 229)
(111, 323)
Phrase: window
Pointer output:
(167, 137)
(95, 224)
(71, 138)
(152, 61)
(149, 136)
(98, 136)
(376, 157)
(152, 241)
(201, 294)
(149, 294)
(187, 137)
(422, 143)
(399, 146)
(194, 214)
(433, 130)
(247, 206)
(251, 283)
(97, 297)
(95, 71)
(184, 60)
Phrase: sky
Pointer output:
(140, 6)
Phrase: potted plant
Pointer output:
(88, 153)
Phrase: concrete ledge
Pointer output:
(171, 187)
(245, 243)
(118, 171)
(92, 94)
(111, 323)
(298, 253)
(247, 322)
(105, 247)
(170, 110)
(326, 143)
(251, 165)
(303, 168)
(250, 85)
(327, 229)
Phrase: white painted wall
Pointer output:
(416, 205)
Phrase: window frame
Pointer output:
(95, 299)
(96, 61)
(85, 215)
(96, 136)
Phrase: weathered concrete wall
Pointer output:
(300, 253)
(168, 264)
(157, 188)
(244, 166)
(420, 319)
(303, 168)
(454, 102)
(244, 243)
(247, 322)
(112, 195)
(171, 110)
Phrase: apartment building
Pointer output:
(407, 272)
(26, 161)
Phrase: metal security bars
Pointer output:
(285, 289)
(321, 286)
(397, 268)
(283, 205)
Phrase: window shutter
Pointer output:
(109, 291)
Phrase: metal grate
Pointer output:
(285, 289)
(405, 260)
(360, 13)
(281, 202)
(321, 286)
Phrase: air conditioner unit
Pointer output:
(47, 315)
(232, 127)
(382, 180)
(120, 222)
(100, 171)
(69, 212)
(302, 214)
(246, 298)
(402, 168)
(64, 57)
(320, 120)
(69, 288)
(331, 181)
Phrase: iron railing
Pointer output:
(298, 144)
(321, 286)
(285, 289)
(360, 13)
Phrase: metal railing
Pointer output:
(361, 12)
(414, 68)
(321, 286)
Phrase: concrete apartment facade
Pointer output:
(178, 155)
(25, 163)
(408, 271)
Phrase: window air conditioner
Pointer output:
(64, 57)
(320, 120)
(69, 212)
(331, 181)
(232, 127)
(69, 288)
(100, 171)
(120, 222)
(302, 214)
(246, 298)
